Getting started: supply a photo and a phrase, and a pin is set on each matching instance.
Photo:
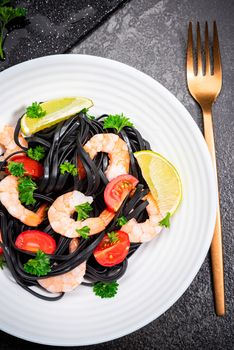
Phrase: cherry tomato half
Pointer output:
(33, 240)
(110, 254)
(118, 189)
(31, 166)
(81, 169)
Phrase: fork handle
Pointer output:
(216, 244)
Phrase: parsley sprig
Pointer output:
(113, 237)
(83, 232)
(39, 266)
(165, 221)
(83, 211)
(36, 153)
(35, 111)
(4, 2)
(68, 167)
(7, 14)
(16, 168)
(117, 121)
(85, 111)
(26, 188)
(2, 262)
(106, 289)
(122, 220)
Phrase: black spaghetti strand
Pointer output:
(64, 143)
(16, 135)
(105, 274)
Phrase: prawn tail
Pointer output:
(35, 219)
(41, 211)
(107, 216)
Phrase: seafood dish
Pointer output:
(75, 203)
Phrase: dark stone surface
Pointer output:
(151, 36)
(52, 27)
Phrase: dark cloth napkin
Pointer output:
(52, 27)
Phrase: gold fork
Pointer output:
(204, 85)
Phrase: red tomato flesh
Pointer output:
(110, 254)
(81, 169)
(118, 189)
(31, 166)
(33, 240)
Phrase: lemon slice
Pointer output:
(56, 111)
(162, 178)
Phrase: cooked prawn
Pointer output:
(67, 281)
(145, 231)
(60, 212)
(9, 197)
(7, 141)
(117, 150)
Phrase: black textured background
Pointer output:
(151, 36)
(53, 27)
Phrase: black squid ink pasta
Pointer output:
(64, 143)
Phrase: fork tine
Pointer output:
(199, 54)
(190, 66)
(207, 50)
(216, 51)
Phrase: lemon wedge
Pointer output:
(163, 180)
(56, 110)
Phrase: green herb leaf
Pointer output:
(91, 117)
(122, 220)
(35, 111)
(7, 14)
(83, 232)
(16, 168)
(4, 2)
(83, 211)
(113, 237)
(165, 221)
(39, 266)
(106, 290)
(2, 262)
(26, 187)
(37, 153)
(118, 122)
(68, 167)
(85, 111)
